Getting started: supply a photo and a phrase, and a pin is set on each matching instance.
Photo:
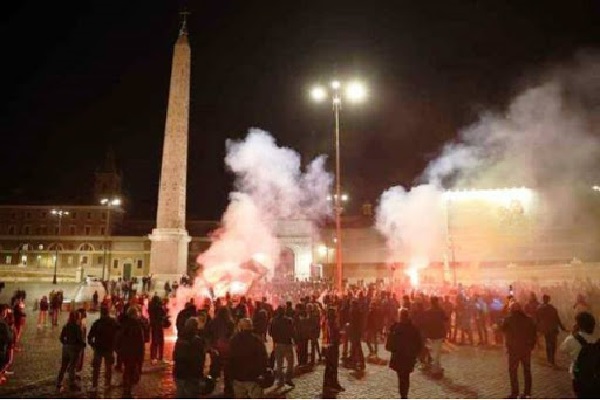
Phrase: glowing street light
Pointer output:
(59, 214)
(108, 203)
(354, 91)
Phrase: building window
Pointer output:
(11, 230)
(38, 230)
(44, 214)
(84, 259)
(9, 259)
(24, 259)
(74, 215)
(28, 215)
(72, 230)
(115, 264)
(88, 230)
(102, 230)
(140, 264)
(103, 216)
(99, 260)
(13, 216)
(70, 260)
(56, 231)
(89, 215)
(26, 230)
(44, 230)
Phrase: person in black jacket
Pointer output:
(520, 333)
(331, 343)
(283, 332)
(130, 347)
(158, 316)
(248, 361)
(71, 338)
(548, 323)
(189, 357)
(102, 339)
(220, 331)
(189, 310)
(435, 322)
(405, 343)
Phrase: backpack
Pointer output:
(586, 369)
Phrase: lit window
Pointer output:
(9, 259)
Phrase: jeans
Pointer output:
(70, 353)
(550, 339)
(481, 330)
(314, 349)
(403, 383)
(436, 351)
(247, 390)
(284, 351)
(514, 359)
(132, 369)
(157, 343)
(358, 358)
(302, 352)
(332, 355)
(108, 358)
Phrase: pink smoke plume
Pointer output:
(270, 186)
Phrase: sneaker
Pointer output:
(340, 388)
(9, 372)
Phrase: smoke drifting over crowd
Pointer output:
(547, 139)
(269, 186)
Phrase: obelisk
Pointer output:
(169, 240)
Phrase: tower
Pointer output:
(107, 182)
(169, 240)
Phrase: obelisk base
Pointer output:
(168, 256)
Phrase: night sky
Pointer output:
(81, 79)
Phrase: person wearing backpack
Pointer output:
(585, 356)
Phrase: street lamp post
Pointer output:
(108, 203)
(59, 214)
(354, 92)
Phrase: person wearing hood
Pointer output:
(189, 357)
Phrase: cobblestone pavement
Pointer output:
(471, 372)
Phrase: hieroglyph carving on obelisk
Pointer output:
(169, 240)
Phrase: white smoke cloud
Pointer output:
(548, 136)
(413, 223)
(548, 139)
(270, 186)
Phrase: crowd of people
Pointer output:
(307, 323)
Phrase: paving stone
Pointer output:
(470, 372)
